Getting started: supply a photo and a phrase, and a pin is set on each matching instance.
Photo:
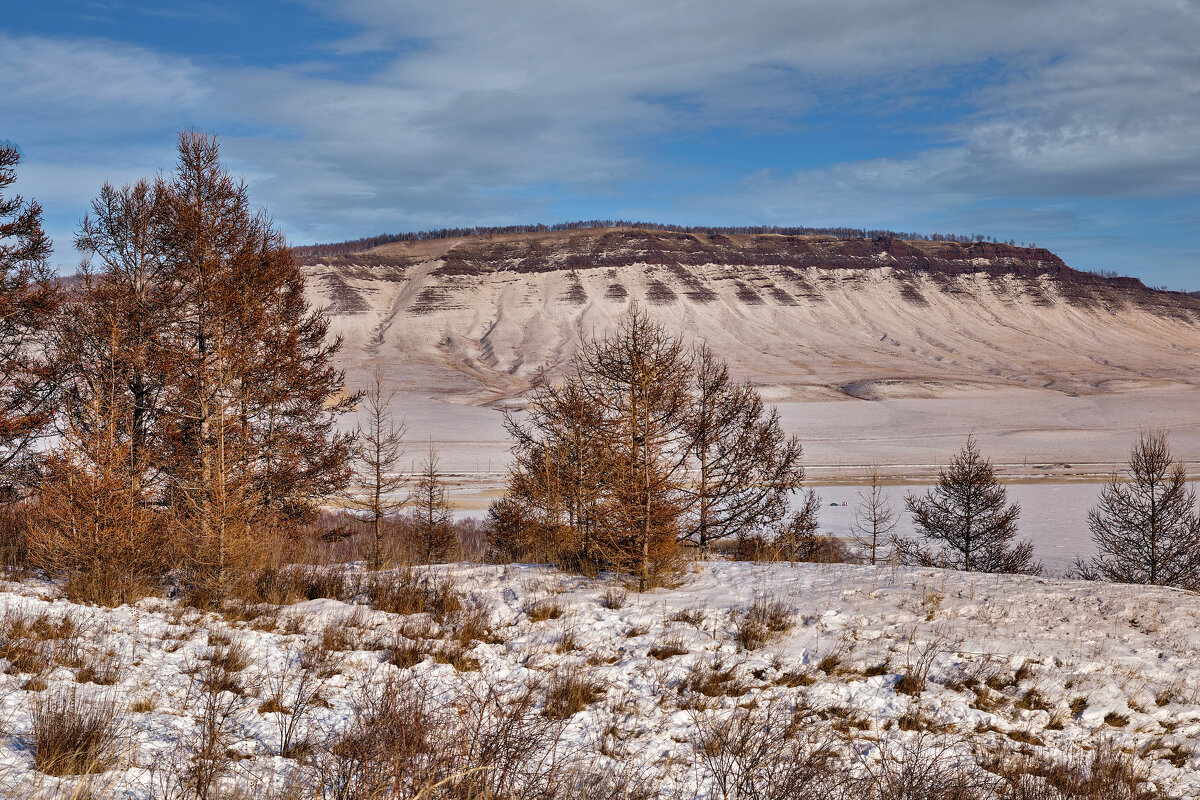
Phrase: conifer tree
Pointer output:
(379, 445)
(28, 300)
(968, 518)
(1145, 527)
(743, 466)
(874, 519)
(433, 536)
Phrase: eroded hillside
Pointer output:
(476, 319)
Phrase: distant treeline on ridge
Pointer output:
(366, 243)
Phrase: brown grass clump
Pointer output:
(543, 610)
(104, 669)
(73, 735)
(614, 598)
(409, 590)
(715, 680)
(668, 648)
(569, 692)
(761, 622)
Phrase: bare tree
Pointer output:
(874, 518)
(743, 466)
(28, 300)
(379, 447)
(433, 531)
(967, 515)
(1145, 527)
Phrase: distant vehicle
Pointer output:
(833, 504)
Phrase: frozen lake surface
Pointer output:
(1053, 515)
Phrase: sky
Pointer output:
(1072, 125)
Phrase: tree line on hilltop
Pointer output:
(367, 242)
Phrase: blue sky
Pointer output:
(1069, 124)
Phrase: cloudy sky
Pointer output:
(1075, 125)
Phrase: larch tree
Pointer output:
(637, 379)
(874, 519)
(1145, 527)
(28, 301)
(223, 372)
(558, 473)
(968, 518)
(433, 536)
(252, 394)
(379, 446)
(743, 467)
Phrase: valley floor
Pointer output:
(877, 656)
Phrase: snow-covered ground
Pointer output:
(1049, 664)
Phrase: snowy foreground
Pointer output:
(1053, 665)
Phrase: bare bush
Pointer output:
(764, 754)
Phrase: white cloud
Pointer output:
(484, 112)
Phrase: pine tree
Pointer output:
(1146, 528)
(28, 300)
(967, 515)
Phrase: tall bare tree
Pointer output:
(379, 446)
(968, 518)
(1146, 527)
(874, 518)
(28, 300)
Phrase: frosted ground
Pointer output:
(1054, 665)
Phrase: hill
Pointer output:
(476, 319)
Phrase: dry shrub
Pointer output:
(289, 583)
(14, 532)
(761, 622)
(488, 742)
(33, 643)
(917, 665)
(74, 734)
(409, 590)
(569, 692)
(765, 754)
(1106, 773)
(924, 766)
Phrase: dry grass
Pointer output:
(761, 622)
(409, 590)
(614, 598)
(74, 734)
(570, 692)
(542, 610)
(668, 648)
